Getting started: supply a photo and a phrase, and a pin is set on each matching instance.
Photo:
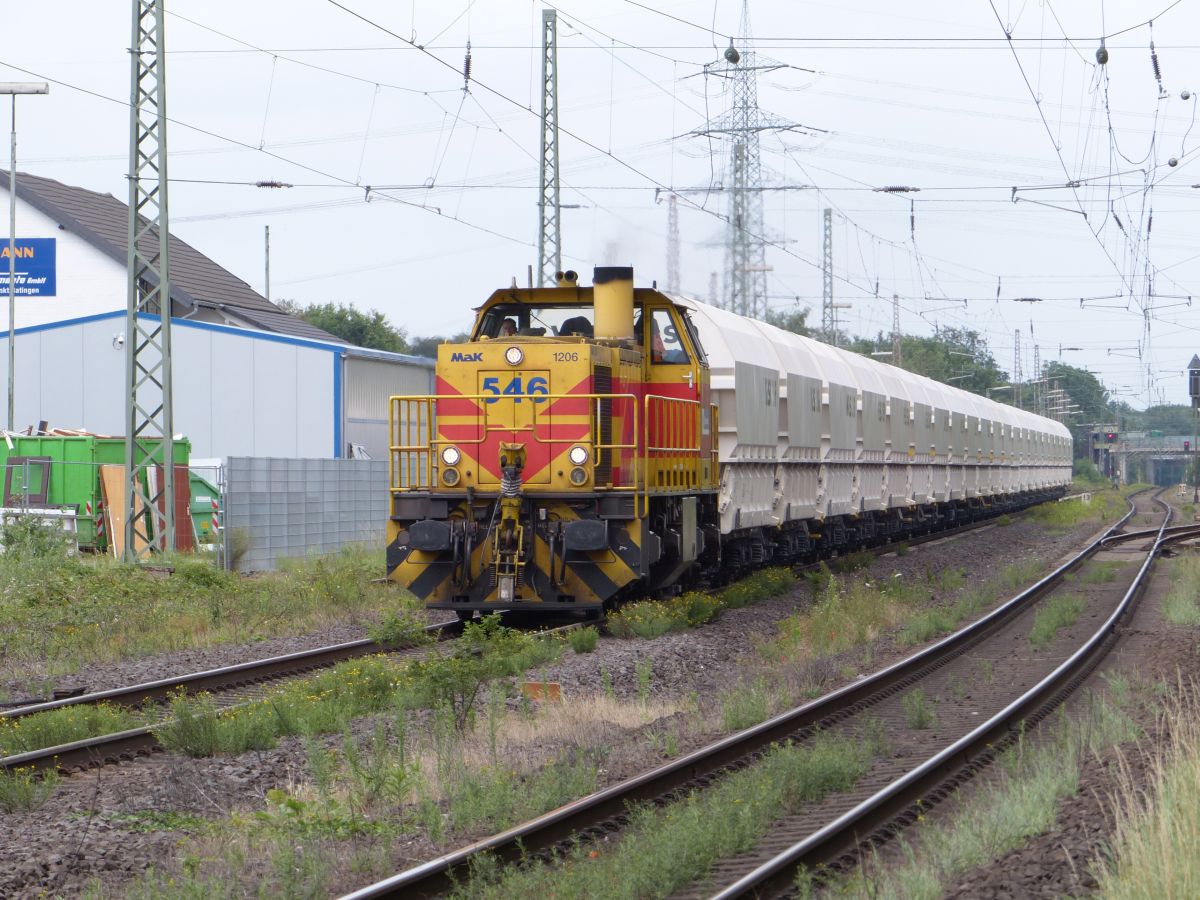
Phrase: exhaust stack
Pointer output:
(612, 294)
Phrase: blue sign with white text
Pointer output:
(36, 264)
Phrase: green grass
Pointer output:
(1055, 614)
(919, 713)
(497, 798)
(1018, 576)
(150, 821)
(1100, 572)
(1182, 603)
(487, 652)
(57, 613)
(846, 615)
(927, 624)
(745, 704)
(852, 562)
(1004, 814)
(940, 620)
(584, 640)
(649, 619)
(1065, 515)
(1155, 850)
(664, 849)
(66, 724)
(24, 789)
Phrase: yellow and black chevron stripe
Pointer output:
(591, 577)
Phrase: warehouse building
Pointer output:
(248, 379)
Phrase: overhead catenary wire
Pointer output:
(930, 217)
(239, 143)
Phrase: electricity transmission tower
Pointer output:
(549, 207)
(828, 313)
(149, 427)
(672, 245)
(741, 125)
(1016, 376)
(896, 360)
(1039, 405)
(829, 317)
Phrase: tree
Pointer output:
(363, 329)
(427, 346)
(956, 356)
(1084, 389)
(794, 320)
(1169, 419)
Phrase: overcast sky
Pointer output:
(930, 97)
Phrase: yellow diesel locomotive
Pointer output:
(568, 455)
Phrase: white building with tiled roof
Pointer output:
(249, 379)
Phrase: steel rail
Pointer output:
(109, 748)
(117, 746)
(437, 876)
(877, 814)
(237, 675)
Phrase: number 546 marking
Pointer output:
(516, 389)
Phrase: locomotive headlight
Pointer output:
(578, 455)
(513, 356)
(450, 477)
(451, 456)
(578, 476)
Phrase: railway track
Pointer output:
(838, 842)
(231, 685)
(246, 681)
(841, 832)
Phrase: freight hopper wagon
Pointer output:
(591, 443)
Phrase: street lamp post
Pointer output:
(12, 88)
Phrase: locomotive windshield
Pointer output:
(574, 320)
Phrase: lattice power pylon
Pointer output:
(672, 245)
(742, 124)
(549, 207)
(1016, 375)
(1039, 396)
(149, 425)
(828, 310)
(896, 343)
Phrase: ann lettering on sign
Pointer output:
(36, 264)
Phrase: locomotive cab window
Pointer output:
(523, 320)
(663, 339)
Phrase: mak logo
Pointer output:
(466, 357)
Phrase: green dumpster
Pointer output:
(74, 473)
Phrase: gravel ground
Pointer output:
(84, 829)
(1060, 862)
(702, 661)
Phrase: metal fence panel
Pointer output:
(301, 507)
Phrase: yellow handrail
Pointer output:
(672, 442)
(415, 447)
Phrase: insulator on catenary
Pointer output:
(467, 67)
(1154, 64)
